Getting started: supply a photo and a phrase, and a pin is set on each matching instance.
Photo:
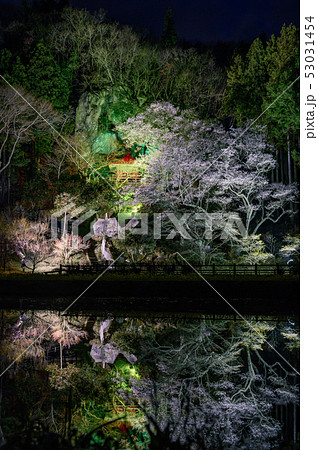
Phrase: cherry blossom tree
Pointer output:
(159, 124)
(68, 246)
(195, 167)
(291, 248)
(30, 242)
(252, 250)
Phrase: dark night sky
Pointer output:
(203, 20)
(200, 20)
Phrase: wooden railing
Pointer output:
(212, 269)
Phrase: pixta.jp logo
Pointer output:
(168, 226)
(68, 219)
(189, 226)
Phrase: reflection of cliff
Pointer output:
(108, 353)
(104, 326)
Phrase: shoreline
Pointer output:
(247, 296)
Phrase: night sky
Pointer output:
(200, 20)
(203, 20)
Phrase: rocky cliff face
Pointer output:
(98, 113)
(89, 111)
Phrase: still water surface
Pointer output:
(105, 381)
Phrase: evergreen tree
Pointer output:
(256, 77)
(47, 79)
(12, 69)
(169, 36)
(235, 100)
(282, 119)
(256, 82)
(246, 84)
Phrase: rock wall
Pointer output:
(98, 113)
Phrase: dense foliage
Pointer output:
(84, 90)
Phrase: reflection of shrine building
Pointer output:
(126, 169)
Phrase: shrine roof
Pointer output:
(125, 160)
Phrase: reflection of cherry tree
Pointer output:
(30, 334)
(214, 386)
(67, 332)
(24, 339)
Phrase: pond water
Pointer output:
(87, 381)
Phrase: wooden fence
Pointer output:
(181, 269)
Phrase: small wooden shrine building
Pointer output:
(126, 169)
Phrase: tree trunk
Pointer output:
(289, 173)
(282, 422)
(69, 412)
(289, 160)
(294, 419)
(61, 355)
(64, 225)
(281, 165)
(286, 423)
(1, 432)
(9, 184)
(295, 171)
